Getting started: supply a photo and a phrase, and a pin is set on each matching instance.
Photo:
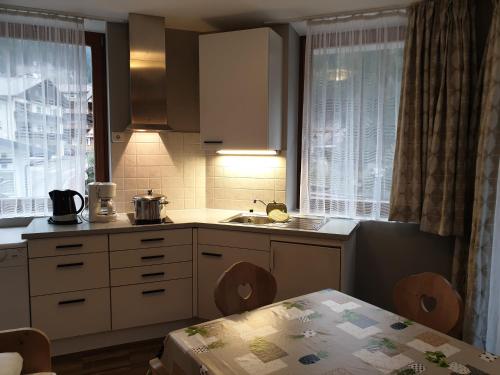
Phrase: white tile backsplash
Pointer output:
(174, 164)
(233, 182)
(159, 162)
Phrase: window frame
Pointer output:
(96, 42)
(396, 34)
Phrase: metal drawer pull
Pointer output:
(211, 254)
(70, 301)
(65, 265)
(153, 239)
(70, 246)
(153, 274)
(154, 291)
(213, 142)
(148, 257)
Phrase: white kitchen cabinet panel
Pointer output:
(72, 314)
(147, 257)
(300, 269)
(151, 303)
(212, 262)
(47, 247)
(14, 289)
(147, 239)
(241, 90)
(69, 273)
(229, 238)
(148, 274)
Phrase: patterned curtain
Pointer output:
(434, 139)
(481, 300)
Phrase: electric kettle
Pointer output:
(63, 207)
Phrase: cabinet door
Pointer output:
(212, 262)
(234, 89)
(300, 269)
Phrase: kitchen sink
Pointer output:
(249, 219)
(295, 222)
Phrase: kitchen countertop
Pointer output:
(340, 229)
(10, 237)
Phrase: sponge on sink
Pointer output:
(279, 216)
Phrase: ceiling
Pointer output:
(206, 15)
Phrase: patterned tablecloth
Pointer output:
(326, 333)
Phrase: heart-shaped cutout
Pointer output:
(245, 290)
(428, 303)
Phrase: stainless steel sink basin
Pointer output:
(249, 219)
(295, 222)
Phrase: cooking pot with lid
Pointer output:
(150, 208)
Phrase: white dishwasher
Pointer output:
(14, 290)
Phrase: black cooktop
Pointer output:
(133, 221)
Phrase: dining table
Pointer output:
(327, 333)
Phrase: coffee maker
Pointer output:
(101, 206)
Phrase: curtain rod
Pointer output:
(52, 14)
(350, 13)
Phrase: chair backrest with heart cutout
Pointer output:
(429, 299)
(227, 292)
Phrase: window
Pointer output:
(351, 101)
(47, 111)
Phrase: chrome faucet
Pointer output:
(272, 205)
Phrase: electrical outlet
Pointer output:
(118, 137)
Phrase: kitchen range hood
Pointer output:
(148, 89)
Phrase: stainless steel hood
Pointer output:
(148, 90)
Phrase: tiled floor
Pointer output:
(127, 359)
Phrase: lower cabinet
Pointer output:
(71, 314)
(212, 262)
(151, 303)
(300, 269)
(151, 276)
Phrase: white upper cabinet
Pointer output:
(240, 90)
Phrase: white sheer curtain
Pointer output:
(351, 98)
(43, 110)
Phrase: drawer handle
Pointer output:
(154, 291)
(67, 265)
(213, 142)
(69, 246)
(153, 239)
(71, 301)
(149, 257)
(211, 254)
(153, 274)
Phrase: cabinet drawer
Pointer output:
(157, 238)
(144, 257)
(67, 245)
(147, 274)
(68, 273)
(152, 303)
(72, 314)
(212, 262)
(234, 239)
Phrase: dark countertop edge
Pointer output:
(225, 226)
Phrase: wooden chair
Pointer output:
(229, 301)
(227, 296)
(33, 345)
(429, 299)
